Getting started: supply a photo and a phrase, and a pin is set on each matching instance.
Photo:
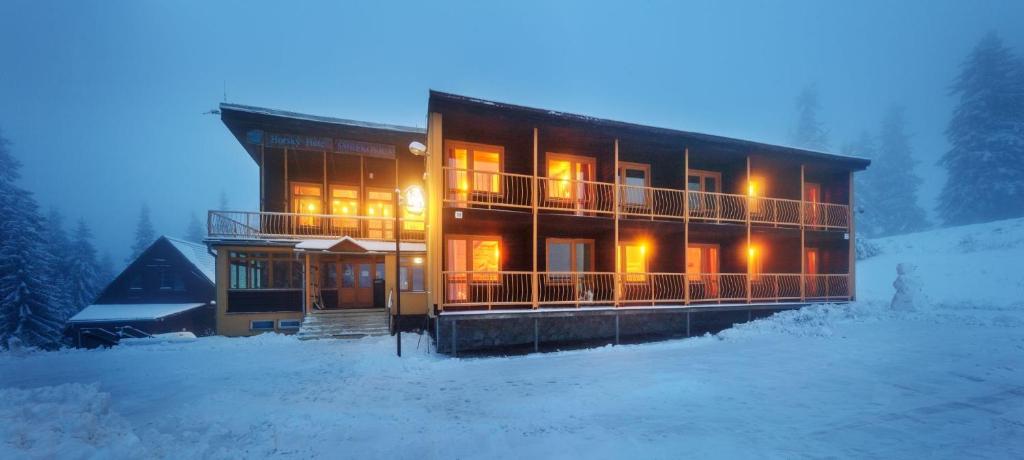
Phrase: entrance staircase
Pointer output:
(344, 324)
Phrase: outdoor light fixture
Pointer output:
(418, 149)
(415, 201)
(752, 188)
(417, 260)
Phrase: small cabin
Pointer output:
(168, 288)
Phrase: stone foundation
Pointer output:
(539, 330)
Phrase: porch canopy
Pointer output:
(347, 245)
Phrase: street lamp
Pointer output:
(416, 204)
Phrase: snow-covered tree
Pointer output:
(195, 231)
(809, 133)
(83, 270)
(60, 254)
(866, 195)
(892, 182)
(26, 304)
(106, 270)
(986, 161)
(144, 234)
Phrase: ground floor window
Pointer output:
(262, 270)
(412, 274)
(633, 262)
(701, 259)
(472, 260)
(566, 255)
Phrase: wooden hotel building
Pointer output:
(550, 227)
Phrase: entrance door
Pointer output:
(356, 286)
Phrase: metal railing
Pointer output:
(578, 196)
(257, 225)
(502, 289)
(468, 188)
(464, 188)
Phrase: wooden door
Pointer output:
(356, 282)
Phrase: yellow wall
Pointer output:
(413, 303)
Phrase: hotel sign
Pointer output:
(320, 143)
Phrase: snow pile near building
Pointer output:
(64, 421)
(964, 266)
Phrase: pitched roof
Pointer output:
(348, 244)
(198, 255)
(318, 118)
(130, 312)
(440, 96)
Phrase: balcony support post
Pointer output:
(803, 247)
(686, 231)
(747, 249)
(325, 198)
(615, 197)
(851, 285)
(287, 190)
(263, 168)
(534, 284)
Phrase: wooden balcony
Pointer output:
(514, 290)
(495, 190)
(243, 225)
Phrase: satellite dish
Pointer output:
(417, 148)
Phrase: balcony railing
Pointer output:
(501, 289)
(467, 188)
(259, 225)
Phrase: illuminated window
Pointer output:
(754, 259)
(480, 255)
(345, 202)
(633, 262)
(567, 176)
(476, 168)
(701, 259)
(380, 207)
(634, 177)
(306, 199)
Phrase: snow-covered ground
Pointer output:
(944, 381)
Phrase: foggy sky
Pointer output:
(104, 100)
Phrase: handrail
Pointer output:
(269, 224)
(490, 289)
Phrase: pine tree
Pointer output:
(106, 270)
(195, 231)
(986, 162)
(810, 133)
(224, 205)
(144, 234)
(895, 206)
(26, 312)
(867, 195)
(82, 269)
(60, 254)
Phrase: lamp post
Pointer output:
(415, 203)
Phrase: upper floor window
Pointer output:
(306, 199)
(476, 168)
(568, 175)
(634, 177)
(345, 202)
(380, 204)
(170, 281)
(704, 181)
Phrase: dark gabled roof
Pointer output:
(441, 97)
(240, 119)
(224, 106)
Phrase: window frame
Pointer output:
(696, 278)
(409, 268)
(471, 148)
(338, 222)
(387, 223)
(574, 160)
(469, 239)
(282, 327)
(632, 277)
(704, 174)
(305, 219)
(646, 168)
(253, 328)
(572, 242)
(269, 259)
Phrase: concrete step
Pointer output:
(344, 324)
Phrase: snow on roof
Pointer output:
(367, 245)
(318, 118)
(198, 255)
(130, 312)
